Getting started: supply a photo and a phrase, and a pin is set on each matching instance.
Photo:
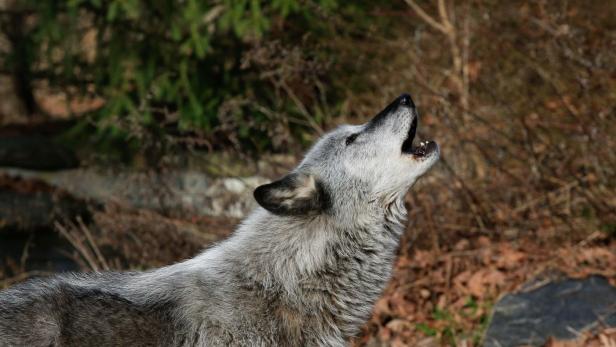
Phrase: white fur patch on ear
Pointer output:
(294, 194)
(307, 188)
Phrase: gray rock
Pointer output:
(180, 191)
(558, 309)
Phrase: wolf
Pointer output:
(304, 269)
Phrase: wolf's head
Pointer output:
(355, 167)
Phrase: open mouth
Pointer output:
(424, 148)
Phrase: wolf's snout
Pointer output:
(403, 100)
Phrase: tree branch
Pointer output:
(426, 17)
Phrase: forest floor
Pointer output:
(439, 294)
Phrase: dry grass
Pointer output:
(121, 238)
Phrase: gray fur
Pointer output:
(303, 271)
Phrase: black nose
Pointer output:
(405, 100)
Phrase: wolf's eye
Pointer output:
(350, 139)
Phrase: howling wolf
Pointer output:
(304, 269)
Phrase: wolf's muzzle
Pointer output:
(403, 100)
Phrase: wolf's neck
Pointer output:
(335, 272)
(367, 270)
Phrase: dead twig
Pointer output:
(91, 254)
(93, 244)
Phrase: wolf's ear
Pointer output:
(293, 195)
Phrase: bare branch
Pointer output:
(79, 246)
(426, 17)
(93, 244)
(442, 11)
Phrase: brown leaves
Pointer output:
(604, 338)
(445, 297)
(485, 281)
(510, 258)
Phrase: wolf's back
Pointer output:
(59, 312)
(25, 318)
